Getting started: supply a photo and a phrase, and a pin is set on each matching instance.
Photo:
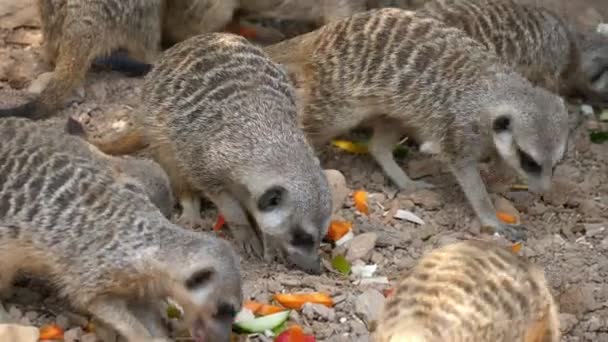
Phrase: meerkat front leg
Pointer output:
(191, 210)
(239, 225)
(467, 175)
(381, 146)
(115, 313)
(148, 313)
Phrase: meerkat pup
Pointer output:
(407, 75)
(221, 120)
(102, 242)
(470, 291)
(534, 40)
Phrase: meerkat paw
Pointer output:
(191, 222)
(512, 232)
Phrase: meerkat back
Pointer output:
(471, 291)
(221, 119)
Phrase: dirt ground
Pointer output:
(567, 228)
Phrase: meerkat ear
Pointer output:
(199, 278)
(501, 124)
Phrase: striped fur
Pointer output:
(66, 215)
(407, 75)
(536, 41)
(471, 291)
(221, 118)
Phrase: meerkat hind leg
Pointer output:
(467, 175)
(381, 145)
(239, 225)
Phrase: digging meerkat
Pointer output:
(470, 291)
(406, 75)
(103, 243)
(220, 117)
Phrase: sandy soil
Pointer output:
(567, 228)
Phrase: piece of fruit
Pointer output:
(349, 146)
(260, 309)
(297, 300)
(337, 229)
(388, 292)
(51, 332)
(360, 198)
(340, 264)
(173, 312)
(263, 323)
(219, 223)
(506, 218)
(516, 247)
(294, 334)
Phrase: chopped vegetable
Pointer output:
(260, 309)
(408, 216)
(349, 146)
(516, 247)
(51, 332)
(519, 187)
(349, 236)
(506, 218)
(364, 271)
(338, 229)
(340, 264)
(294, 334)
(297, 300)
(400, 151)
(219, 223)
(388, 292)
(173, 312)
(598, 137)
(261, 324)
(360, 198)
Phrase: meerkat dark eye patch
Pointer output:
(225, 311)
(596, 77)
(501, 124)
(302, 239)
(271, 199)
(199, 278)
(527, 163)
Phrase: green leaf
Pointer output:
(400, 151)
(173, 312)
(598, 137)
(340, 264)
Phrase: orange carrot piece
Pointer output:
(296, 334)
(297, 300)
(219, 223)
(506, 218)
(360, 198)
(252, 305)
(338, 229)
(247, 32)
(267, 309)
(51, 332)
(516, 247)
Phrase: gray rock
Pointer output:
(368, 306)
(73, 335)
(361, 246)
(427, 199)
(318, 312)
(567, 322)
(339, 190)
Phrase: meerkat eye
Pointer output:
(302, 239)
(527, 163)
(271, 199)
(199, 278)
(501, 124)
(225, 310)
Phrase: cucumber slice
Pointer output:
(261, 324)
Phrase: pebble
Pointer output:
(73, 335)
(587, 110)
(339, 190)
(602, 28)
(318, 312)
(422, 168)
(567, 322)
(368, 306)
(427, 199)
(361, 246)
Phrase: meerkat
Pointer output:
(407, 75)
(470, 291)
(146, 173)
(102, 242)
(534, 40)
(220, 118)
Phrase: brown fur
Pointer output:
(471, 291)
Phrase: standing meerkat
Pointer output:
(103, 243)
(221, 120)
(406, 75)
(470, 291)
(535, 41)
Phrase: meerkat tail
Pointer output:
(33, 110)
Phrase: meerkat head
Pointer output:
(529, 129)
(293, 212)
(207, 284)
(593, 72)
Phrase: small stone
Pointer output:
(567, 322)
(602, 29)
(426, 231)
(368, 306)
(40, 83)
(592, 230)
(73, 335)
(361, 246)
(15, 313)
(339, 190)
(587, 110)
(318, 312)
(377, 257)
(423, 168)
(427, 199)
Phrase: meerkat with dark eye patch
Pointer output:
(407, 75)
(470, 291)
(220, 118)
(102, 242)
(534, 40)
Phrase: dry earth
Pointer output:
(567, 227)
